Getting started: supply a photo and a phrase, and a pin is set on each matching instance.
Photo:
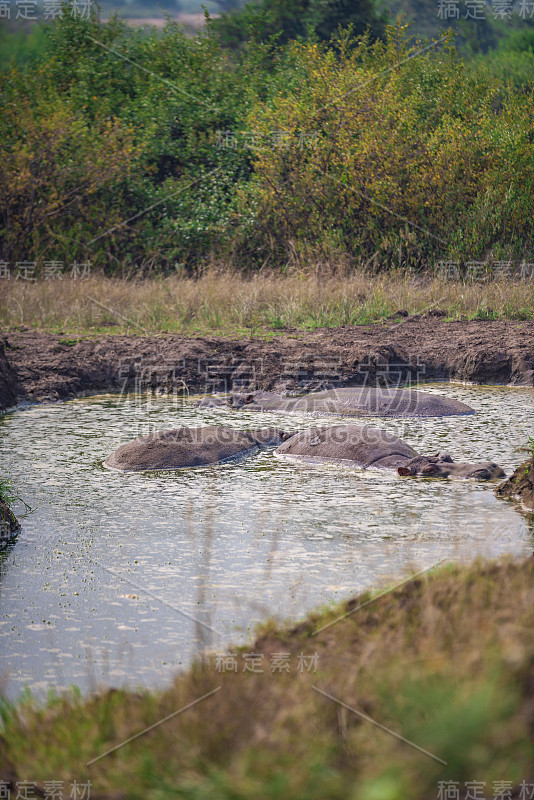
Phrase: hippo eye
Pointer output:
(249, 398)
(430, 469)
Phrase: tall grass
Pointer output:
(228, 302)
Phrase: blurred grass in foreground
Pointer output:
(446, 661)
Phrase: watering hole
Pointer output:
(121, 579)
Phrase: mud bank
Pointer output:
(8, 383)
(42, 367)
(9, 524)
(520, 486)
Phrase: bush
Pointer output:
(395, 157)
(292, 19)
(117, 126)
(154, 151)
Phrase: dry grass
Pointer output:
(227, 302)
(446, 661)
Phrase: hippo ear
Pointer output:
(285, 436)
(405, 471)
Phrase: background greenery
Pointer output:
(157, 150)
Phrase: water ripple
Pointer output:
(120, 578)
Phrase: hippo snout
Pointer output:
(489, 472)
(445, 467)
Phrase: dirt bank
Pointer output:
(8, 382)
(48, 367)
(520, 486)
(9, 524)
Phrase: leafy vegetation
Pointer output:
(6, 492)
(7, 517)
(407, 164)
(513, 60)
(23, 46)
(9, 497)
(285, 20)
(147, 152)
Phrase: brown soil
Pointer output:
(8, 382)
(520, 486)
(48, 367)
(9, 524)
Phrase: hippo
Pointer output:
(347, 402)
(190, 447)
(371, 447)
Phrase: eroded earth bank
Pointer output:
(39, 367)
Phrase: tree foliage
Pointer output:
(162, 151)
(292, 19)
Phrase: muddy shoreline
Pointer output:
(520, 486)
(42, 367)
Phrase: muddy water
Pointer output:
(121, 579)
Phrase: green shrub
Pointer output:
(125, 126)
(155, 151)
(394, 154)
(292, 19)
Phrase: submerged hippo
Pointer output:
(190, 447)
(371, 447)
(350, 402)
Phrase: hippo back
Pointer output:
(380, 402)
(189, 447)
(362, 446)
(358, 402)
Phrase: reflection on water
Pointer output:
(121, 578)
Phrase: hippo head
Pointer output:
(442, 466)
(239, 399)
(267, 437)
